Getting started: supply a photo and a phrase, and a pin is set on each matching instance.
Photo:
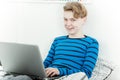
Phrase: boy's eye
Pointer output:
(73, 20)
(65, 19)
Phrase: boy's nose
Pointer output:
(68, 23)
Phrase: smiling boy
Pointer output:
(75, 52)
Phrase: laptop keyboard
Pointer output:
(3, 74)
(49, 78)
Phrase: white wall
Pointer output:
(39, 23)
(7, 22)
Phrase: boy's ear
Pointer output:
(84, 19)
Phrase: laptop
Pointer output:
(23, 59)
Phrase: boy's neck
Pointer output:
(76, 36)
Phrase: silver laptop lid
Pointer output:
(21, 59)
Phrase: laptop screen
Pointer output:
(22, 59)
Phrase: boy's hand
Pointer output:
(52, 72)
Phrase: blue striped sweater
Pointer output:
(71, 55)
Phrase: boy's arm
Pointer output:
(50, 55)
(91, 58)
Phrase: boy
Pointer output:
(75, 52)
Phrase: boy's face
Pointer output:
(72, 25)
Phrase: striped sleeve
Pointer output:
(90, 58)
(50, 55)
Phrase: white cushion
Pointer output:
(102, 70)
